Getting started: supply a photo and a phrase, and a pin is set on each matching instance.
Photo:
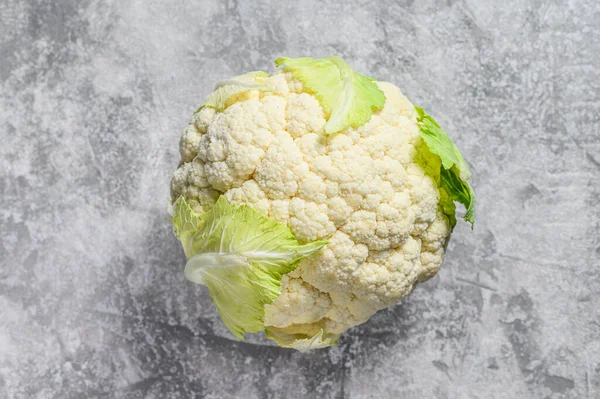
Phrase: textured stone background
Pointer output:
(93, 98)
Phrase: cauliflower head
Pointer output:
(309, 199)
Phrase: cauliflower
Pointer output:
(308, 200)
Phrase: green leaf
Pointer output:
(448, 206)
(241, 255)
(301, 342)
(454, 171)
(348, 98)
(186, 223)
(226, 89)
(460, 191)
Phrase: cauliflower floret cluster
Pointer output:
(372, 191)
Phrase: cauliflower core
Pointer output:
(372, 192)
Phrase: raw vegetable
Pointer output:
(310, 199)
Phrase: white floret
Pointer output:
(188, 144)
(304, 115)
(282, 168)
(190, 182)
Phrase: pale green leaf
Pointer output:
(228, 88)
(186, 223)
(460, 191)
(347, 97)
(454, 171)
(241, 255)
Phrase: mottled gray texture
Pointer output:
(93, 98)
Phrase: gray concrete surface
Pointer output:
(93, 98)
